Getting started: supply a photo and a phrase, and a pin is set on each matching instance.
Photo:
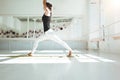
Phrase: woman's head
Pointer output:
(49, 5)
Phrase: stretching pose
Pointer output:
(48, 33)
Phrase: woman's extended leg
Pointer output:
(61, 42)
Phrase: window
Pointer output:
(28, 26)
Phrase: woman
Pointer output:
(49, 33)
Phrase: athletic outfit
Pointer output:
(46, 22)
(49, 34)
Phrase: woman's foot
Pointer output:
(29, 54)
(69, 54)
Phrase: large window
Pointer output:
(28, 26)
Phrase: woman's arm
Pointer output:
(44, 4)
(46, 10)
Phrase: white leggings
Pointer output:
(49, 35)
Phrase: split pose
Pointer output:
(48, 33)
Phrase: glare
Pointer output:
(88, 60)
(21, 51)
(12, 59)
(116, 3)
(99, 58)
(45, 51)
(83, 58)
(91, 58)
(43, 56)
(3, 58)
(50, 58)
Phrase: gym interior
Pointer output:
(90, 27)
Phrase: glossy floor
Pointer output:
(83, 65)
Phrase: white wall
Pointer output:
(110, 18)
(34, 7)
(94, 22)
(0, 19)
(94, 18)
(111, 14)
(22, 7)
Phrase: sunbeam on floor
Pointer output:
(50, 58)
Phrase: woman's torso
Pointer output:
(46, 18)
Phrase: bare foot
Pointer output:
(69, 54)
(29, 54)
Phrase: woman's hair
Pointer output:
(49, 5)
